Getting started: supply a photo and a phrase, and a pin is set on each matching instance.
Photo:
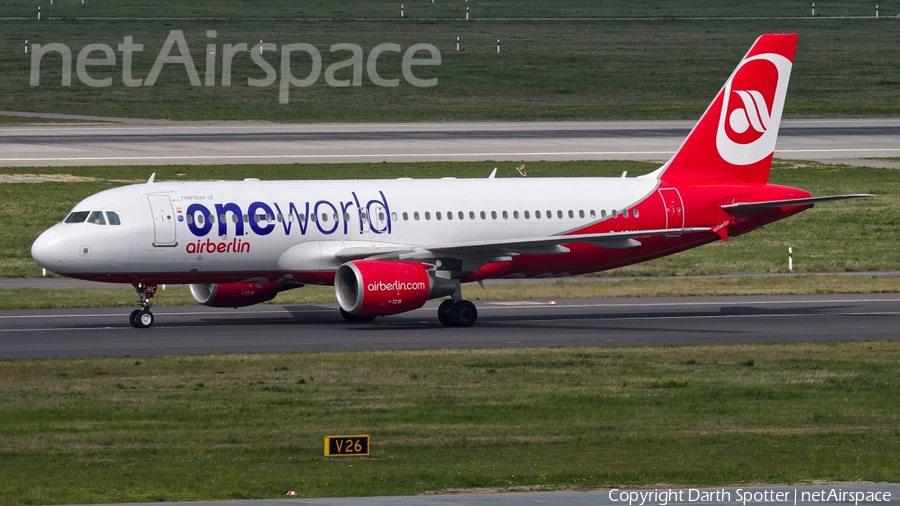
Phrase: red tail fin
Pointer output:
(735, 138)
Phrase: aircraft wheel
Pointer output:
(463, 313)
(355, 318)
(132, 319)
(444, 313)
(144, 319)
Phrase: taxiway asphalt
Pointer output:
(572, 322)
(838, 141)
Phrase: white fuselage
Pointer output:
(274, 227)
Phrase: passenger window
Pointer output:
(603, 213)
(346, 216)
(246, 219)
(77, 217)
(222, 218)
(493, 215)
(593, 213)
(212, 218)
(549, 214)
(190, 219)
(637, 214)
(483, 216)
(516, 214)
(113, 218)
(256, 218)
(312, 218)
(527, 215)
(461, 215)
(416, 216)
(335, 216)
(615, 214)
(537, 215)
(394, 216)
(405, 216)
(324, 217)
(571, 214)
(581, 213)
(380, 216)
(505, 215)
(200, 219)
(559, 214)
(449, 215)
(472, 215)
(96, 218)
(427, 215)
(437, 215)
(625, 213)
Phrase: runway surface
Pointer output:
(806, 495)
(846, 141)
(574, 322)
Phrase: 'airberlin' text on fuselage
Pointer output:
(262, 218)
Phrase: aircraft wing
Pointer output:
(531, 245)
(756, 206)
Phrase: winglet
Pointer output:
(152, 177)
(493, 173)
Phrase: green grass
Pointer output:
(251, 426)
(547, 69)
(859, 235)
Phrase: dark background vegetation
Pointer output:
(560, 60)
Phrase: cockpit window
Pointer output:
(113, 218)
(77, 217)
(96, 218)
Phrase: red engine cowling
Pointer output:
(234, 294)
(381, 288)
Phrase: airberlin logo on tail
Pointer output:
(751, 109)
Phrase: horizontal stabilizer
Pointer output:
(757, 206)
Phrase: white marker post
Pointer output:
(876, 11)
(790, 259)
(44, 272)
(260, 46)
(401, 11)
(39, 12)
(467, 13)
(814, 9)
(498, 46)
(457, 43)
(26, 46)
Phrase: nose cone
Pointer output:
(48, 250)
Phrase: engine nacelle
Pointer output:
(381, 288)
(234, 294)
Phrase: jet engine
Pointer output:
(234, 294)
(381, 288)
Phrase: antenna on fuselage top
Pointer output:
(493, 173)
(152, 176)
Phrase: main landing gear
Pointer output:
(142, 318)
(457, 312)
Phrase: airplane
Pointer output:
(388, 246)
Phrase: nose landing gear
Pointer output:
(142, 318)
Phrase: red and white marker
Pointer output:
(551, 303)
(291, 492)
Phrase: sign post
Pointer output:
(347, 446)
